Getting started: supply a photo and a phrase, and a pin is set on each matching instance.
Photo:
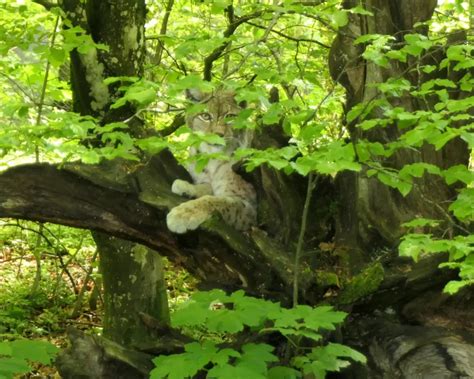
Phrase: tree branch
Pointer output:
(107, 198)
(163, 30)
(218, 51)
(302, 39)
(48, 5)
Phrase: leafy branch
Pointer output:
(218, 51)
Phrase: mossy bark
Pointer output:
(371, 213)
(132, 274)
(134, 283)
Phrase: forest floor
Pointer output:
(49, 285)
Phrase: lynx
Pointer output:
(217, 189)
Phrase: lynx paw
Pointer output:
(181, 187)
(184, 188)
(185, 217)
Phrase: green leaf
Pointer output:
(152, 145)
(359, 9)
(282, 372)
(454, 286)
(390, 179)
(367, 38)
(399, 55)
(463, 206)
(224, 321)
(258, 352)
(57, 56)
(235, 372)
(273, 114)
(13, 365)
(327, 358)
(413, 245)
(421, 222)
(37, 351)
(340, 18)
(324, 317)
(5, 348)
(459, 173)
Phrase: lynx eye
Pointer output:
(205, 117)
(230, 116)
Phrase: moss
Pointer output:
(326, 279)
(363, 284)
(140, 254)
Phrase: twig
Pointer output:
(45, 85)
(312, 179)
(295, 39)
(218, 51)
(80, 295)
(20, 88)
(163, 29)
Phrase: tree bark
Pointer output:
(132, 274)
(371, 213)
(407, 328)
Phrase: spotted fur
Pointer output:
(217, 189)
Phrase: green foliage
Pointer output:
(41, 271)
(440, 120)
(16, 355)
(216, 312)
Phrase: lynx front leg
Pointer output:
(184, 188)
(191, 214)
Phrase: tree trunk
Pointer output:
(132, 273)
(133, 279)
(371, 213)
(409, 330)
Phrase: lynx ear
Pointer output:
(195, 95)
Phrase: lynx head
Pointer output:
(221, 109)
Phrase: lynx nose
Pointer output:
(220, 129)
